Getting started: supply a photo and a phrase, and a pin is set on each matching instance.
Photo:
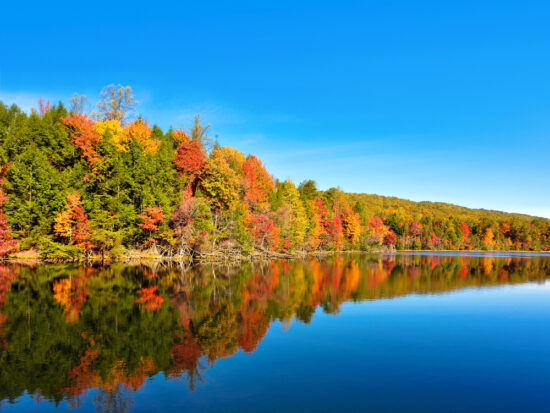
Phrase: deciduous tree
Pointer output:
(82, 132)
(257, 182)
(190, 161)
(117, 102)
(219, 183)
(72, 223)
(139, 131)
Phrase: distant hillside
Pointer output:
(486, 229)
(439, 209)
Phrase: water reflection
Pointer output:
(67, 329)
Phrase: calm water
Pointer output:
(425, 333)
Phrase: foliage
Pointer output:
(54, 251)
(264, 230)
(72, 223)
(219, 182)
(84, 136)
(7, 243)
(104, 186)
(256, 181)
(151, 219)
(190, 159)
(139, 131)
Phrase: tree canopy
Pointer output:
(75, 184)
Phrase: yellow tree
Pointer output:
(488, 237)
(291, 215)
(219, 182)
(233, 157)
(180, 136)
(141, 132)
(111, 126)
(72, 223)
(351, 223)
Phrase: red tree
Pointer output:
(151, 221)
(465, 229)
(378, 229)
(264, 230)
(415, 228)
(434, 240)
(336, 231)
(256, 181)
(81, 131)
(190, 160)
(153, 217)
(390, 238)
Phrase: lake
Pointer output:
(403, 332)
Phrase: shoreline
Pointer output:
(144, 256)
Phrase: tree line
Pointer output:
(78, 183)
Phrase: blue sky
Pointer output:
(425, 100)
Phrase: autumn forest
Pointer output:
(101, 183)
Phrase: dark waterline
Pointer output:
(406, 332)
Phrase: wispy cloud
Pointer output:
(25, 100)
(211, 113)
(217, 114)
(176, 115)
(245, 139)
(348, 149)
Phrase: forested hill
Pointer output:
(75, 185)
(437, 209)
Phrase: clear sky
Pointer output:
(425, 100)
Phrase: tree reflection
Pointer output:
(115, 400)
(67, 329)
